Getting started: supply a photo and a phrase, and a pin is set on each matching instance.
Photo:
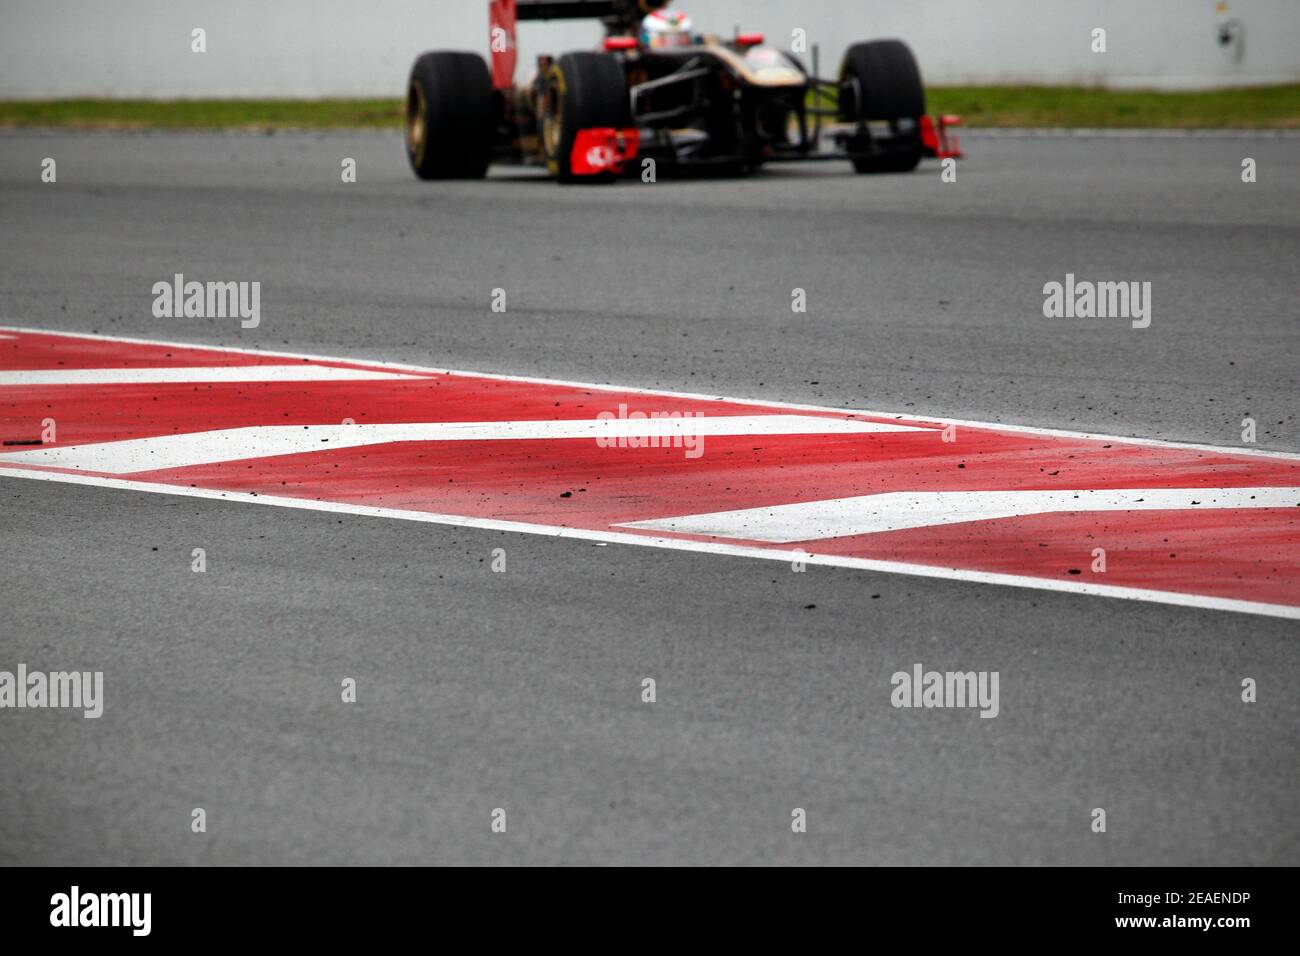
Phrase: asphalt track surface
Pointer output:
(521, 690)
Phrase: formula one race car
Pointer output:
(658, 91)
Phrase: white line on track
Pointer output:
(900, 510)
(184, 374)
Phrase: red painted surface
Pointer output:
(1244, 554)
(502, 16)
(603, 150)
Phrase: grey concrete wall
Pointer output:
(141, 48)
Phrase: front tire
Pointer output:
(449, 117)
(583, 90)
(880, 81)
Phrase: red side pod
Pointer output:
(937, 141)
(603, 149)
(501, 41)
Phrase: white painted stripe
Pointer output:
(665, 393)
(261, 441)
(896, 511)
(679, 544)
(182, 374)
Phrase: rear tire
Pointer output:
(583, 90)
(449, 116)
(880, 81)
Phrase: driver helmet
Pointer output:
(666, 28)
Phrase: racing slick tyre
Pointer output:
(879, 80)
(583, 90)
(449, 116)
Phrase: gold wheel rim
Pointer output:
(553, 118)
(416, 129)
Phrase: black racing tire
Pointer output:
(449, 116)
(880, 81)
(583, 90)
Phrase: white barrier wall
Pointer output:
(317, 48)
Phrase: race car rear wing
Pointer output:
(619, 16)
(583, 9)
